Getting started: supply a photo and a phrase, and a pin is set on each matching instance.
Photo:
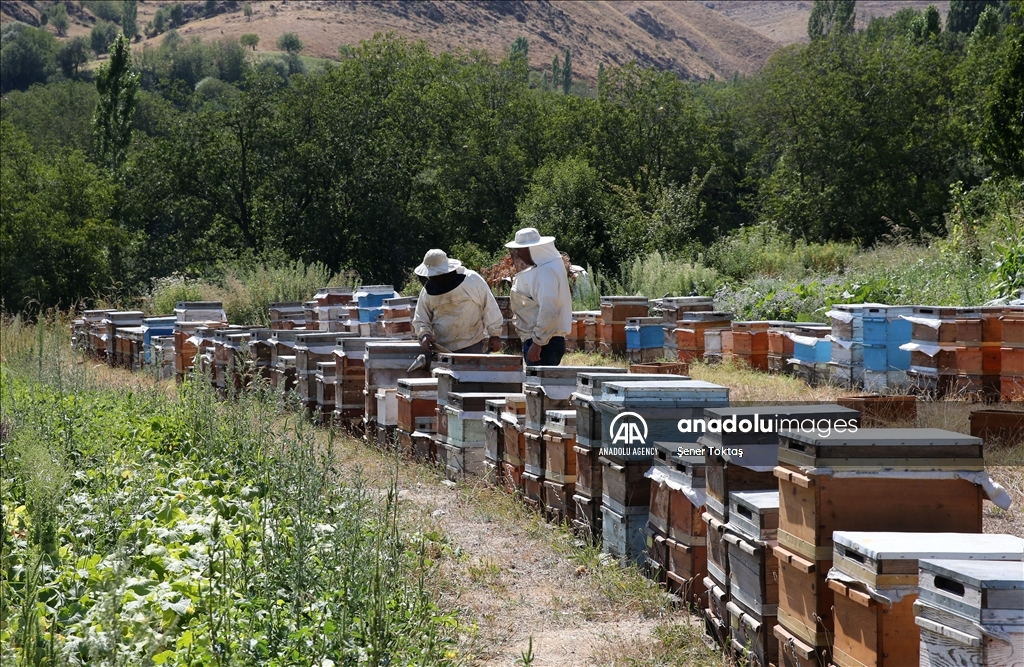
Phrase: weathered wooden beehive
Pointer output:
(914, 480)
(466, 439)
(350, 379)
(750, 537)
(970, 612)
(615, 310)
(385, 362)
(559, 435)
(676, 536)
(690, 330)
(513, 423)
(628, 450)
(875, 579)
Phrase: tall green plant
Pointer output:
(117, 83)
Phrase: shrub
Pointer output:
(102, 36)
(289, 42)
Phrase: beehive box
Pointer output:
(559, 458)
(674, 523)
(615, 310)
(969, 613)
(624, 534)
(533, 460)
(875, 578)
(465, 413)
(913, 494)
(588, 390)
(464, 373)
(416, 402)
(513, 419)
(387, 406)
(494, 436)
(350, 376)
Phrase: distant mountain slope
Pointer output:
(693, 38)
(786, 21)
(685, 37)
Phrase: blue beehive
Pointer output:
(644, 333)
(373, 296)
(155, 326)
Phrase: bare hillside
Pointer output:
(686, 37)
(785, 21)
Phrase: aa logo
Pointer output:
(628, 428)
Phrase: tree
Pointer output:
(102, 36)
(519, 57)
(567, 198)
(289, 42)
(26, 56)
(556, 72)
(60, 19)
(567, 73)
(964, 14)
(247, 10)
(73, 54)
(831, 17)
(249, 40)
(129, 18)
(117, 85)
(177, 15)
(927, 25)
(1003, 124)
(160, 20)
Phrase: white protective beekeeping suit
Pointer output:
(540, 299)
(457, 319)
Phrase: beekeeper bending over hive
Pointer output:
(455, 308)
(540, 300)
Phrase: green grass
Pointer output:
(142, 528)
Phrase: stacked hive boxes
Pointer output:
(287, 316)
(513, 423)
(494, 440)
(587, 494)
(673, 309)
(627, 450)
(875, 581)
(334, 309)
(847, 364)
(676, 540)
(577, 332)
(971, 379)
(741, 461)
(914, 480)
(282, 358)
(546, 388)
(396, 317)
(370, 301)
(161, 354)
(746, 342)
(350, 380)
(463, 451)
(780, 351)
(310, 349)
(932, 349)
(812, 351)
(615, 310)
(387, 417)
(1011, 369)
(753, 575)
(311, 315)
(559, 434)
(969, 613)
(384, 363)
(417, 415)
(885, 331)
(95, 332)
(591, 330)
(119, 350)
(190, 316)
(326, 390)
(645, 339)
(152, 327)
(494, 374)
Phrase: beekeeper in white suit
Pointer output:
(540, 299)
(455, 308)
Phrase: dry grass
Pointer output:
(750, 385)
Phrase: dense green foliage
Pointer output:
(364, 163)
(140, 529)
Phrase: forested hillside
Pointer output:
(183, 157)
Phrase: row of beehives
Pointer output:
(710, 528)
(971, 351)
(546, 441)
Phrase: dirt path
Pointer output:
(512, 576)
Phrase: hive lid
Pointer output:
(551, 375)
(625, 390)
(881, 546)
(887, 447)
(1003, 575)
(473, 401)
